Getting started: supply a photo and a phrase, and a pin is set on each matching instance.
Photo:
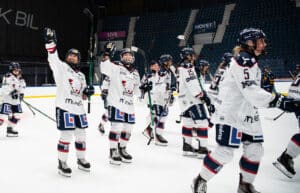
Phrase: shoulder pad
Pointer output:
(186, 65)
(245, 59)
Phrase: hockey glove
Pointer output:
(14, 94)
(49, 36)
(285, 103)
(109, 49)
(211, 108)
(146, 87)
(89, 90)
(21, 96)
(206, 99)
(104, 94)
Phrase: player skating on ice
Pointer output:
(109, 51)
(70, 114)
(124, 84)
(237, 120)
(191, 98)
(163, 86)
(13, 85)
(285, 161)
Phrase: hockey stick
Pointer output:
(275, 118)
(88, 13)
(179, 121)
(29, 107)
(42, 113)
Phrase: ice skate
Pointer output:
(188, 149)
(114, 157)
(84, 165)
(245, 187)
(148, 132)
(285, 164)
(160, 140)
(199, 185)
(11, 132)
(125, 156)
(63, 169)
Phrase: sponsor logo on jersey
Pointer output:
(72, 102)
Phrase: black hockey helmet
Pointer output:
(186, 51)
(125, 51)
(202, 62)
(227, 57)
(109, 49)
(250, 34)
(165, 58)
(13, 66)
(74, 52)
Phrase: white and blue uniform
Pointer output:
(123, 86)
(71, 118)
(11, 106)
(237, 119)
(192, 108)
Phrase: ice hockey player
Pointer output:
(148, 77)
(124, 84)
(109, 51)
(268, 80)
(202, 70)
(285, 162)
(164, 84)
(13, 86)
(191, 100)
(71, 118)
(237, 119)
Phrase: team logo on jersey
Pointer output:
(76, 86)
(69, 120)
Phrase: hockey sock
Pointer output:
(202, 135)
(125, 136)
(113, 139)
(80, 149)
(12, 121)
(293, 148)
(187, 134)
(63, 150)
(249, 169)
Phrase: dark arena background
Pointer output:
(209, 26)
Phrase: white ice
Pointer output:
(29, 162)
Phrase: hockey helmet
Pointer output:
(252, 34)
(227, 57)
(165, 58)
(124, 60)
(13, 66)
(186, 51)
(74, 52)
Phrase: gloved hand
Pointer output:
(89, 90)
(109, 49)
(21, 96)
(206, 99)
(49, 36)
(14, 94)
(285, 103)
(104, 94)
(146, 87)
(211, 108)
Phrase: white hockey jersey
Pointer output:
(122, 87)
(9, 83)
(240, 95)
(161, 89)
(70, 85)
(294, 90)
(188, 86)
(213, 89)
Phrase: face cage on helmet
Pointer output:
(125, 62)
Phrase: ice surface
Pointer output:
(29, 162)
